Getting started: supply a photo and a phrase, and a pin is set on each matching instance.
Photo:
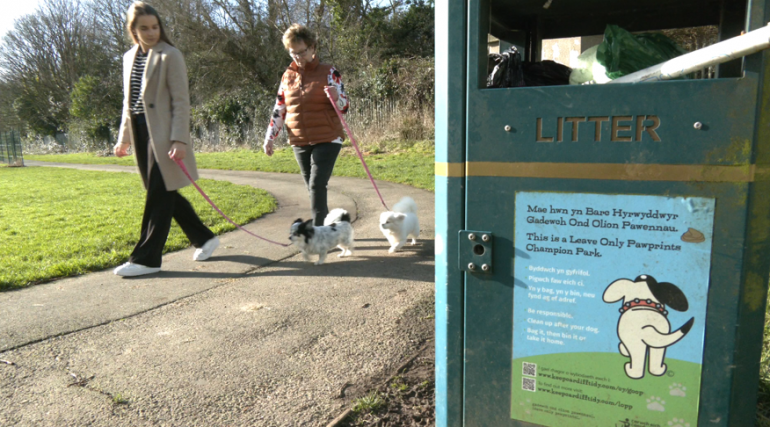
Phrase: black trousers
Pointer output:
(316, 163)
(160, 206)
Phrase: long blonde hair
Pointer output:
(140, 8)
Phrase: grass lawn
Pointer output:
(413, 166)
(62, 222)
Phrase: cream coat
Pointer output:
(166, 107)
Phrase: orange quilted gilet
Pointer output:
(310, 116)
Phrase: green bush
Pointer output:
(95, 111)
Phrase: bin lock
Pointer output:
(475, 251)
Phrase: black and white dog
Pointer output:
(336, 231)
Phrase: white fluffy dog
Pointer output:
(400, 224)
(643, 328)
(336, 231)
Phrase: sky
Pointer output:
(14, 9)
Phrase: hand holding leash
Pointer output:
(178, 151)
(268, 147)
(329, 93)
(121, 149)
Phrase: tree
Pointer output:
(412, 32)
(61, 67)
(8, 117)
(110, 16)
(45, 55)
(96, 106)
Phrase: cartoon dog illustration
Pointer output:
(643, 328)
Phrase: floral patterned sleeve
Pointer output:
(278, 116)
(335, 79)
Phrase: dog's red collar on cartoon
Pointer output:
(643, 303)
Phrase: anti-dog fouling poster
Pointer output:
(609, 308)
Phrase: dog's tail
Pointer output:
(405, 205)
(654, 338)
(336, 216)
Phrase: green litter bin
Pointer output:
(601, 250)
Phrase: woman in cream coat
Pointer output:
(156, 121)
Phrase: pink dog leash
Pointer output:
(184, 169)
(353, 142)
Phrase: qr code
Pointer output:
(529, 384)
(529, 369)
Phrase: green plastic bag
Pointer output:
(623, 53)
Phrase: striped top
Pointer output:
(137, 74)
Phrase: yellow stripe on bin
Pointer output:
(607, 171)
(450, 170)
(614, 171)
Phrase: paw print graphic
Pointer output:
(678, 422)
(656, 404)
(526, 411)
(677, 389)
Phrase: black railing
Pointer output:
(10, 148)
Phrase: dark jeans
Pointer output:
(160, 206)
(316, 163)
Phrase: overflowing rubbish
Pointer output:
(623, 53)
(588, 69)
(623, 57)
(736, 47)
(546, 73)
(510, 71)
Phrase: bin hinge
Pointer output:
(475, 251)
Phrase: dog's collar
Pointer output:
(644, 303)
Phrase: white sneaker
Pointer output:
(204, 252)
(131, 269)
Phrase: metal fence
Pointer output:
(10, 148)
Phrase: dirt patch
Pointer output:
(402, 395)
(407, 399)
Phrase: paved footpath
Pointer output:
(254, 336)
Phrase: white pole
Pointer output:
(718, 53)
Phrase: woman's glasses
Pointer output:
(299, 54)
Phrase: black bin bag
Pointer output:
(510, 71)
